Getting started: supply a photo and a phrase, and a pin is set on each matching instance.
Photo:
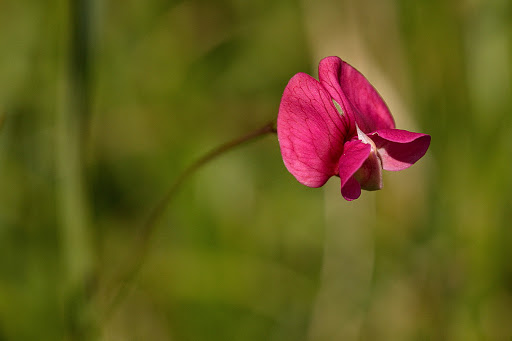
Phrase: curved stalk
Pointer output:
(148, 229)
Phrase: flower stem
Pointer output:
(157, 212)
(148, 229)
(73, 112)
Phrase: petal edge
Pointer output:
(356, 93)
(354, 155)
(310, 131)
(400, 149)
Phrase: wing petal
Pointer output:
(310, 131)
(399, 149)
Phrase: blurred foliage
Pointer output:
(243, 250)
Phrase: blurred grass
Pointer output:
(240, 253)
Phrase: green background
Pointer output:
(102, 109)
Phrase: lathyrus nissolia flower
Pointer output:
(340, 126)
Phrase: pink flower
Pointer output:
(341, 126)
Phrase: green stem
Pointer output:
(148, 229)
(72, 123)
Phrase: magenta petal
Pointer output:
(351, 190)
(354, 154)
(400, 149)
(358, 97)
(310, 131)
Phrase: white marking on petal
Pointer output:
(365, 139)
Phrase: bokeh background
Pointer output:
(104, 103)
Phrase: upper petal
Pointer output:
(399, 149)
(310, 131)
(360, 99)
(354, 155)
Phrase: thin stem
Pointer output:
(72, 121)
(157, 212)
(148, 229)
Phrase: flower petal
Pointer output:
(354, 155)
(355, 94)
(310, 131)
(369, 175)
(351, 190)
(400, 149)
